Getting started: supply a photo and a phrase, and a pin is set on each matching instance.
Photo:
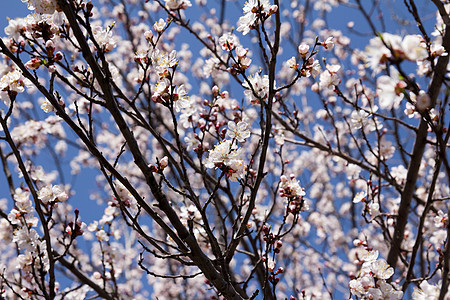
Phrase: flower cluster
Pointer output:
(227, 157)
(177, 4)
(11, 84)
(254, 11)
(162, 62)
(42, 6)
(393, 47)
(52, 194)
(371, 280)
(257, 88)
(169, 95)
(291, 190)
(22, 213)
(34, 133)
(104, 38)
(428, 291)
(329, 78)
(242, 61)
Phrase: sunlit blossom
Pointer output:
(238, 131)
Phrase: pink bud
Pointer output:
(163, 162)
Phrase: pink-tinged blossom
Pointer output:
(250, 19)
(180, 98)
(377, 53)
(422, 100)
(6, 232)
(159, 25)
(224, 152)
(148, 35)
(11, 84)
(290, 187)
(191, 141)
(414, 47)
(236, 169)
(360, 118)
(42, 6)
(33, 64)
(312, 68)
(360, 197)
(438, 238)
(33, 260)
(46, 106)
(227, 156)
(329, 78)
(238, 131)
(426, 291)
(162, 62)
(271, 265)
(360, 286)
(76, 229)
(177, 4)
(210, 66)
(15, 28)
(165, 92)
(104, 38)
(393, 47)
(384, 291)
(410, 109)
(291, 190)
(102, 236)
(228, 41)
(260, 86)
(438, 50)
(385, 149)
(189, 115)
(243, 59)
(27, 239)
(292, 63)
(303, 49)
(441, 220)
(22, 201)
(52, 194)
(328, 44)
(381, 269)
(389, 91)
(373, 273)
(93, 226)
(246, 23)
(35, 132)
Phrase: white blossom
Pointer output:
(238, 131)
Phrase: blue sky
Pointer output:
(11, 9)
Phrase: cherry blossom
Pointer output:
(238, 131)
(272, 154)
(42, 6)
(52, 194)
(228, 41)
(426, 291)
(227, 155)
(257, 88)
(104, 38)
(329, 78)
(250, 18)
(390, 91)
(12, 84)
(177, 4)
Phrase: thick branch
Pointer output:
(416, 157)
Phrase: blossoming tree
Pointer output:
(240, 151)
